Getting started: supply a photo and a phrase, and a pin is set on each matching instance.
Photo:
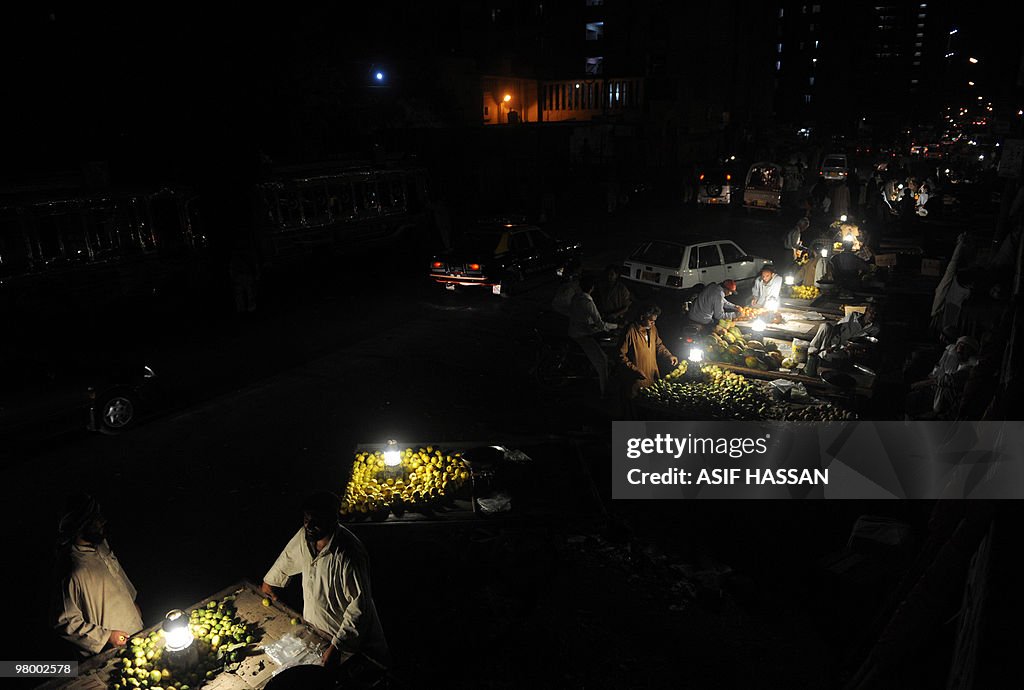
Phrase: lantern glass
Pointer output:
(177, 635)
(790, 280)
(392, 457)
(696, 354)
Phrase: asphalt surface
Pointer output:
(265, 409)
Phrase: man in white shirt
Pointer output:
(95, 600)
(585, 322)
(335, 569)
(767, 286)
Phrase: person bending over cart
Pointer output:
(335, 569)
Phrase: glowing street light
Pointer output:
(379, 76)
(392, 456)
(507, 98)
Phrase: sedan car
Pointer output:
(50, 393)
(683, 266)
(498, 256)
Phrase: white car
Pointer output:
(835, 167)
(681, 266)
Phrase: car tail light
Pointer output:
(702, 177)
(728, 177)
(472, 267)
(674, 281)
(437, 264)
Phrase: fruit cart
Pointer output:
(219, 665)
(716, 392)
(418, 482)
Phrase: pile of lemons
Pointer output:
(804, 291)
(220, 636)
(424, 476)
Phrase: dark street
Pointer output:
(466, 267)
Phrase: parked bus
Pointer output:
(308, 209)
(78, 250)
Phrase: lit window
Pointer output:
(778, 65)
(595, 31)
(812, 81)
(778, 48)
(807, 98)
(594, 65)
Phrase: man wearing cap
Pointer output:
(335, 569)
(767, 286)
(95, 600)
(711, 304)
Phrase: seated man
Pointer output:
(767, 286)
(847, 267)
(584, 323)
(613, 299)
(567, 289)
(711, 304)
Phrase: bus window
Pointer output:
(339, 199)
(167, 223)
(314, 205)
(288, 209)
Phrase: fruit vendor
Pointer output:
(711, 305)
(639, 350)
(95, 600)
(336, 594)
(767, 286)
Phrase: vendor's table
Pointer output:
(865, 384)
(255, 670)
(792, 326)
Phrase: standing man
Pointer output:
(95, 600)
(711, 305)
(585, 322)
(767, 286)
(639, 350)
(335, 569)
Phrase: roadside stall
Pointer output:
(234, 640)
(695, 391)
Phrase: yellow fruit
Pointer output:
(265, 602)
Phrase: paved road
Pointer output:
(270, 408)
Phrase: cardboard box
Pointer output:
(931, 267)
(885, 260)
